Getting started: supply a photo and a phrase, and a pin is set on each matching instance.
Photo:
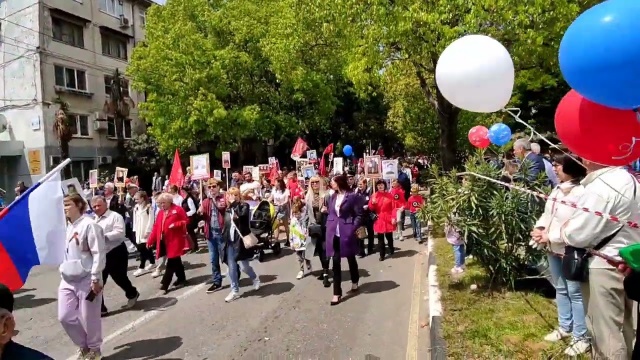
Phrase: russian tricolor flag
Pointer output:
(32, 230)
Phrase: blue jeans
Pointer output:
(416, 225)
(213, 243)
(234, 271)
(571, 316)
(458, 254)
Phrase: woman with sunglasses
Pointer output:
(316, 199)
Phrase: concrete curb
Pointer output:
(438, 346)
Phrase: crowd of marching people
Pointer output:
(334, 219)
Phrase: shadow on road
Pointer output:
(30, 301)
(263, 279)
(271, 289)
(378, 286)
(190, 266)
(157, 303)
(20, 291)
(270, 256)
(364, 273)
(146, 349)
(404, 254)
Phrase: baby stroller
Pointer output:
(262, 224)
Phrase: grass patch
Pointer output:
(492, 325)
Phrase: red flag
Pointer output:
(177, 176)
(273, 172)
(298, 149)
(322, 168)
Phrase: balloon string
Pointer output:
(515, 112)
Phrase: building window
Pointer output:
(143, 17)
(114, 46)
(124, 87)
(112, 7)
(69, 78)
(80, 170)
(124, 125)
(68, 32)
(79, 125)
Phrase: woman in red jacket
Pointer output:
(169, 236)
(381, 204)
(399, 202)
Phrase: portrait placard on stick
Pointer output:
(217, 174)
(200, 169)
(390, 169)
(93, 179)
(247, 169)
(372, 166)
(338, 165)
(226, 160)
(120, 177)
(264, 168)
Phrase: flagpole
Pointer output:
(55, 170)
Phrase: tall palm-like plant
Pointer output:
(118, 107)
(62, 131)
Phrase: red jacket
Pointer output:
(381, 203)
(415, 203)
(398, 197)
(175, 237)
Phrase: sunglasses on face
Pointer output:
(213, 186)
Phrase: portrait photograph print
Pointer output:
(308, 172)
(226, 160)
(200, 167)
(372, 166)
(389, 169)
(93, 179)
(217, 174)
(338, 165)
(121, 176)
(312, 156)
(301, 164)
(247, 169)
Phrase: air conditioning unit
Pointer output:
(54, 160)
(104, 160)
(124, 22)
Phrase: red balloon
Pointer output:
(479, 137)
(598, 133)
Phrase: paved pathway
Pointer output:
(285, 319)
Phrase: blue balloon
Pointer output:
(499, 134)
(600, 54)
(347, 150)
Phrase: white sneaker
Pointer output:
(300, 275)
(256, 284)
(556, 335)
(156, 273)
(457, 270)
(150, 267)
(81, 354)
(578, 347)
(93, 355)
(132, 302)
(232, 296)
(140, 272)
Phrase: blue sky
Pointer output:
(160, 1)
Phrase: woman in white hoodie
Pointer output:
(546, 235)
(143, 217)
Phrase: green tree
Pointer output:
(206, 69)
(396, 45)
(62, 131)
(142, 152)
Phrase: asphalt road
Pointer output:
(285, 319)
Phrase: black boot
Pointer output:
(325, 278)
(391, 248)
(361, 254)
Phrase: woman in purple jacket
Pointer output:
(343, 219)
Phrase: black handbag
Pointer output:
(315, 230)
(575, 262)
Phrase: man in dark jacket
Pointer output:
(532, 164)
(10, 350)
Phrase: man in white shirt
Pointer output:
(114, 204)
(250, 188)
(610, 190)
(177, 198)
(117, 255)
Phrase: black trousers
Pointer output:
(116, 266)
(370, 240)
(146, 254)
(337, 268)
(381, 248)
(174, 266)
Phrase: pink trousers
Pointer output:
(80, 318)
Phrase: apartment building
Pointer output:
(67, 49)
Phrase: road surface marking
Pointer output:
(414, 313)
(148, 316)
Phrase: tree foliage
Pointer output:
(494, 221)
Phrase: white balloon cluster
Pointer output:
(476, 73)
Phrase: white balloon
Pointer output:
(476, 73)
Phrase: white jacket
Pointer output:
(556, 214)
(611, 191)
(143, 218)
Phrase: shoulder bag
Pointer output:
(575, 262)
(249, 240)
